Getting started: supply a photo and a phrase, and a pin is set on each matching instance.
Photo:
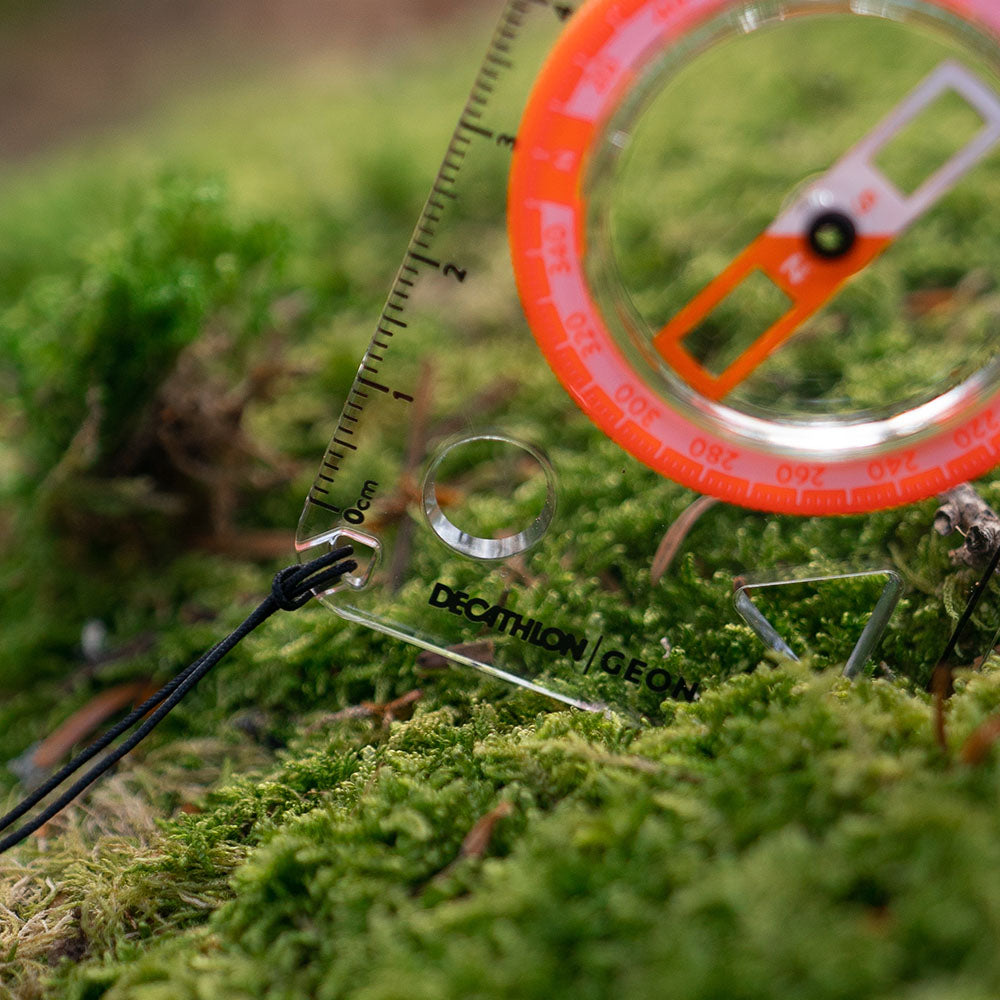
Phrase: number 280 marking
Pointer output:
(714, 454)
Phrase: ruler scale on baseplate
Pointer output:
(419, 259)
(343, 496)
(574, 107)
(390, 322)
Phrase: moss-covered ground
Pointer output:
(182, 306)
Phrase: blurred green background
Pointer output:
(201, 209)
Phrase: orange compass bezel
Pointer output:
(605, 47)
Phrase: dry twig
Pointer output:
(964, 511)
(477, 840)
(942, 688)
(397, 710)
(33, 766)
(676, 533)
(482, 650)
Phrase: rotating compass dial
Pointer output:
(756, 241)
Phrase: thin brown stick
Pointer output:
(672, 541)
(477, 840)
(32, 766)
(942, 686)
(86, 720)
(481, 650)
(398, 709)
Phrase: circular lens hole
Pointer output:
(489, 496)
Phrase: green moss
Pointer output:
(117, 322)
(789, 835)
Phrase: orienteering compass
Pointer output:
(695, 379)
(758, 244)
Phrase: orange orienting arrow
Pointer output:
(808, 279)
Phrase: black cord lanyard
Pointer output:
(977, 592)
(292, 589)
